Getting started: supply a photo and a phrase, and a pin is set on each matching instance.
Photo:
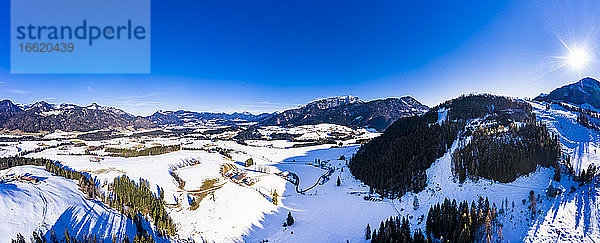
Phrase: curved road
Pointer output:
(296, 181)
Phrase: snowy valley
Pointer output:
(242, 182)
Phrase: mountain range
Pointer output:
(346, 110)
(585, 93)
(190, 118)
(350, 111)
(42, 116)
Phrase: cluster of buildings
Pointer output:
(96, 159)
(239, 177)
(20, 178)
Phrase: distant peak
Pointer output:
(330, 102)
(8, 106)
(42, 103)
(584, 91)
(6, 101)
(42, 106)
(588, 80)
(93, 105)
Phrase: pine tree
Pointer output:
(405, 234)
(557, 173)
(67, 236)
(339, 183)
(37, 238)
(419, 237)
(532, 204)
(249, 162)
(274, 199)
(416, 203)
(374, 236)
(20, 239)
(488, 227)
(368, 232)
(290, 220)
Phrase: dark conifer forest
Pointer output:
(463, 223)
(135, 199)
(395, 162)
(506, 142)
(156, 150)
(504, 153)
(446, 222)
(395, 229)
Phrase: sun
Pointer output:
(578, 58)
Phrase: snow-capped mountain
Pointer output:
(182, 117)
(586, 91)
(332, 102)
(8, 106)
(41, 106)
(344, 110)
(42, 116)
(349, 111)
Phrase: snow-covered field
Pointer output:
(53, 205)
(236, 212)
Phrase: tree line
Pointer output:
(457, 222)
(504, 153)
(87, 184)
(156, 150)
(133, 200)
(395, 229)
(448, 221)
(396, 161)
(41, 148)
(68, 238)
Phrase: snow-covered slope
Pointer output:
(234, 212)
(582, 144)
(53, 205)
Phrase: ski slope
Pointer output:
(582, 144)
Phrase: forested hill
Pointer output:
(505, 129)
(349, 111)
(585, 93)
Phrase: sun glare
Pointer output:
(578, 58)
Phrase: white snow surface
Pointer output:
(582, 144)
(326, 213)
(54, 204)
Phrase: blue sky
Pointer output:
(270, 55)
